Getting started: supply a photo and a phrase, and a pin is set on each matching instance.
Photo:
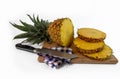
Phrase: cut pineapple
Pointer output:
(91, 35)
(103, 54)
(61, 31)
(88, 47)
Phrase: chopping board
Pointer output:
(81, 59)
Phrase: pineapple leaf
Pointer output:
(39, 24)
(34, 19)
(30, 18)
(22, 28)
(23, 35)
(25, 24)
(30, 27)
(29, 39)
(38, 19)
(37, 41)
(33, 40)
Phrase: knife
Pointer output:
(45, 51)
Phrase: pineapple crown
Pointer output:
(35, 33)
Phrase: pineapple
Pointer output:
(61, 31)
(103, 54)
(91, 34)
(88, 47)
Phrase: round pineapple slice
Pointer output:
(88, 47)
(91, 35)
(61, 31)
(104, 54)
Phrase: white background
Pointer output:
(100, 14)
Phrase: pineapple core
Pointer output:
(67, 32)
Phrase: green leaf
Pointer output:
(30, 18)
(30, 27)
(23, 35)
(38, 41)
(34, 19)
(39, 24)
(22, 28)
(45, 23)
(29, 39)
(26, 24)
(34, 40)
(38, 19)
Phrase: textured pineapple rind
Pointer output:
(97, 56)
(88, 51)
(91, 39)
(99, 59)
(54, 31)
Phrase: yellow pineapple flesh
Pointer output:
(91, 34)
(61, 31)
(103, 54)
(88, 47)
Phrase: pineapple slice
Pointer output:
(61, 31)
(88, 47)
(91, 34)
(103, 54)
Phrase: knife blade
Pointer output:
(45, 51)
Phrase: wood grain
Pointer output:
(81, 58)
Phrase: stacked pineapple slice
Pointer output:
(90, 42)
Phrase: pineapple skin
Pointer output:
(55, 28)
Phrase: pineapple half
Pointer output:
(61, 31)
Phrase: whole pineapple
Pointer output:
(61, 31)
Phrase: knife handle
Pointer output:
(25, 47)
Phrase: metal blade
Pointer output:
(54, 53)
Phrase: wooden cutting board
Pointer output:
(81, 58)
